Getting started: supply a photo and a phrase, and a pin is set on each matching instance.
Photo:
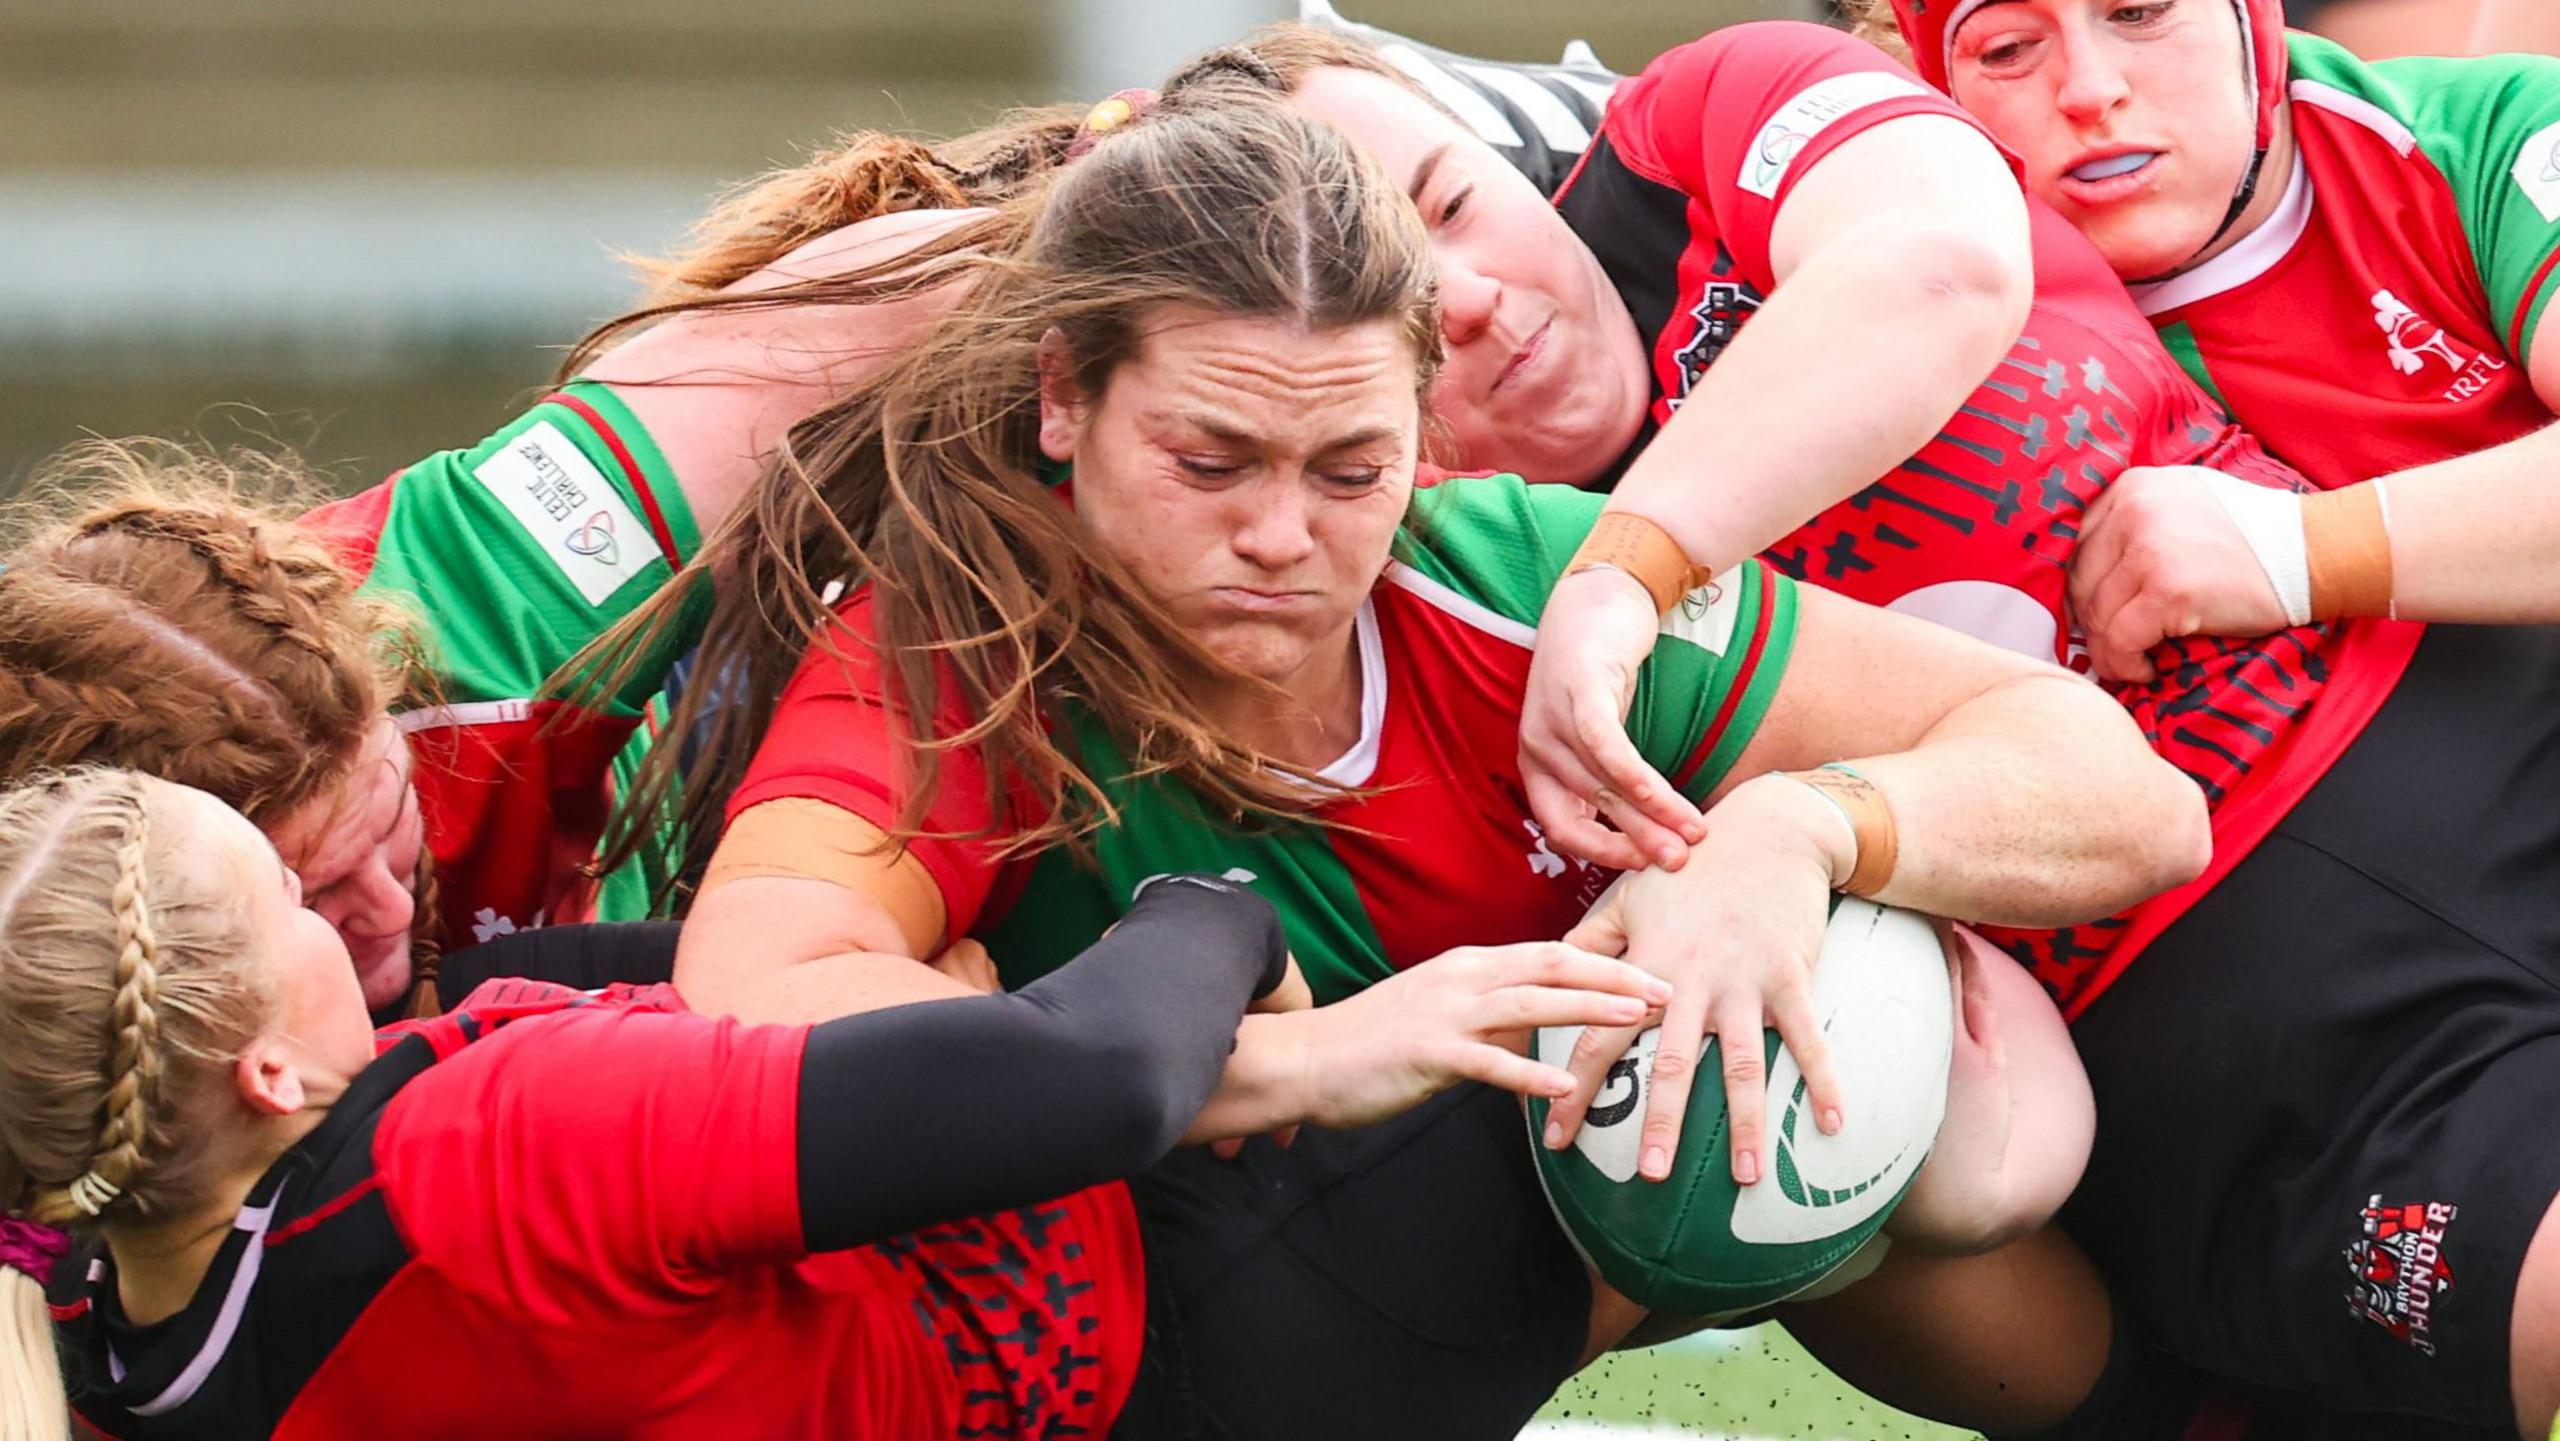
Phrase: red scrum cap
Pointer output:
(1928, 25)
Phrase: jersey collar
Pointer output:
(1355, 767)
(2257, 253)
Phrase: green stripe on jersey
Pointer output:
(1503, 543)
(2491, 127)
(517, 552)
(2180, 337)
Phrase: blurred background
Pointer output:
(364, 229)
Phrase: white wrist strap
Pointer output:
(2271, 521)
(2382, 500)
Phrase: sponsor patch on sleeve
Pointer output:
(1705, 616)
(2538, 171)
(1814, 109)
(575, 516)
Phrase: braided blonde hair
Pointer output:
(127, 981)
(128, 984)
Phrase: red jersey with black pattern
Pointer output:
(507, 1200)
(1678, 197)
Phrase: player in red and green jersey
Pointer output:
(498, 562)
(1431, 850)
(513, 555)
(2358, 257)
(1731, 170)
(2355, 256)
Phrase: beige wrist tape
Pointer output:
(1870, 824)
(1642, 549)
(2346, 535)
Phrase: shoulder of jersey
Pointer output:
(1540, 116)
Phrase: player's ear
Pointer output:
(1063, 402)
(268, 1078)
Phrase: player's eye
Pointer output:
(1208, 467)
(1455, 205)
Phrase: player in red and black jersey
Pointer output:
(683, 1226)
(1778, 239)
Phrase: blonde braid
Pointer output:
(134, 1067)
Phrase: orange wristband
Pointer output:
(1642, 549)
(1870, 824)
(2346, 537)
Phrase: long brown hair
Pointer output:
(864, 174)
(923, 483)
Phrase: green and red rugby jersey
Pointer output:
(1678, 197)
(2382, 316)
(508, 558)
(1438, 851)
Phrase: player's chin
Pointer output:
(2150, 238)
(385, 969)
(1272, 651)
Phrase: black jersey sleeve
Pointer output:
(921, 1113)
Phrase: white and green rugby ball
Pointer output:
(1698, 1243)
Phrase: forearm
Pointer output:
(1263, 1087)
(1842, 376)
(924, 1113)
(2472, 538)
(2035, 804)
(823, 989)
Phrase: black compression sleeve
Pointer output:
(582, 957)
(929, 1112)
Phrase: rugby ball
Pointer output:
(1697, 1243)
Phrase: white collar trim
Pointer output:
(1356, 766)
(2255, 255)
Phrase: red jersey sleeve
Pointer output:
(1736, 119)
(834, 739)
(611, 1158)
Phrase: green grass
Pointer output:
(1754, 1385)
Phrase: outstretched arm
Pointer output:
(1904, 274)
(1088, 1074)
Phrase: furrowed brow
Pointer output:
(1422, 173)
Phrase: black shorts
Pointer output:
(1400, 1281)
(2329, 1096)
